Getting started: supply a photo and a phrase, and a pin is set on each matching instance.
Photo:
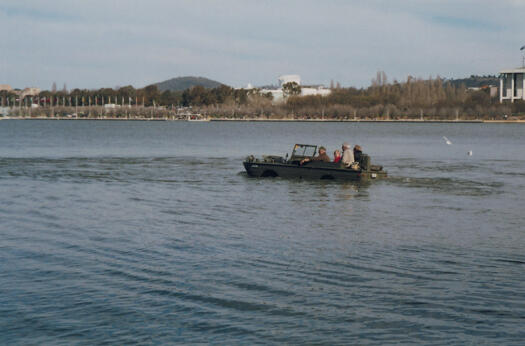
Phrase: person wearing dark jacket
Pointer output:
(357, 153)
(321, 157)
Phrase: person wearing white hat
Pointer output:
(348, 155)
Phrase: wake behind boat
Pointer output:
(278, 166)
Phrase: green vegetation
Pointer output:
(415, 98)
(291, 89)
(475, 81)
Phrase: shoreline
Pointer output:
(474, 121)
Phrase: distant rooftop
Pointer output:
(514, 70)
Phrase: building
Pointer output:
(492, 89)
(278, 94)
(5, 87)
(288, 78)
(315, 90)
(512, 84)
(29, 92)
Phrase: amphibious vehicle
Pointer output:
(278, 166)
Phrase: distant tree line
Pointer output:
(475, 81)
(415, 98)
(432, 98)
(147, 96)
(84, 97)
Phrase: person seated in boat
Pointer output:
(357, 153)
(348, 155)
(321, 157)
(337, 156)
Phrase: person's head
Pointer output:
(322, 150)
(345, 146)
(357, 148)
(337, 152)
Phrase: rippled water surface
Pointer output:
(150, 232)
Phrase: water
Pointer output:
(149, 232)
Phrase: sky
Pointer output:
(109, 43)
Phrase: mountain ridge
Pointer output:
(186, 82)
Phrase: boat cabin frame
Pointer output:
(303, 151)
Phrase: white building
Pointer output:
(29, 92)
(278, 94)
(512, 84)
(315, 90)
(287, 78)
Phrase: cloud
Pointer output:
(108, 43)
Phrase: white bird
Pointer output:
(469, 153)
(447, 140)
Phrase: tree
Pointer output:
(222, 93)
(291, 89)
(151, 94)
(168, 98)
(241, 96)
(194, 96)
(126, 93)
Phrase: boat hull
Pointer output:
(312, 170)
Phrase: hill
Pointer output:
(475, 81)
(183, 83)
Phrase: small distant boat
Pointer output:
(197, 117)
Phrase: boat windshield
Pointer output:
(303, 150)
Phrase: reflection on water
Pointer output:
(120, 236)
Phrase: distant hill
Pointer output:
(183, 83)
(475, 81)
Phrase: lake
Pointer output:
(124, 232)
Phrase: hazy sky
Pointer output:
(108, 43)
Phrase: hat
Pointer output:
(358, 147)
(346, 145)
(322, 148)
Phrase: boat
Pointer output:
(197, 117)
(278, 166)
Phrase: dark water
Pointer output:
(149, 232)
